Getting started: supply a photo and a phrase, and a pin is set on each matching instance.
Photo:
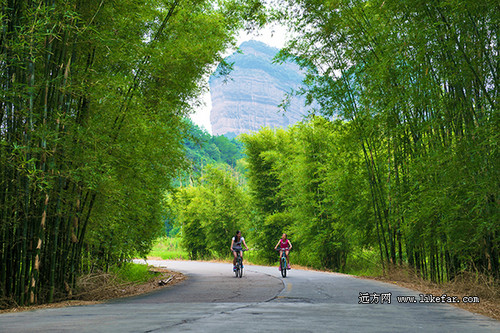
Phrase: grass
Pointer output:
(168, 248)
(134, 273)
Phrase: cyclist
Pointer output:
(285, 245)
(236, 246)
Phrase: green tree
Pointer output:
(210, 213)
(314, 165)
(262, 151)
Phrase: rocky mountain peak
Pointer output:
(250, 97)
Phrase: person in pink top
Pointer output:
(285, 245)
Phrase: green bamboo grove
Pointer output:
(418, 82)
(93, 96)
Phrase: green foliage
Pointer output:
(364, 262)
(303, 169)
(203, 149)
(191, 208)
(264, 183)
(261, 150)
(209, 214)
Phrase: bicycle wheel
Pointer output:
(240, 266)
(283, 267)
(237, 270)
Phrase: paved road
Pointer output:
(213, 300)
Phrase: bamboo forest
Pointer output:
(398, 162)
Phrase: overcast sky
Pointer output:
(272, 36)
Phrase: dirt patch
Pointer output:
(466, 284)
(97, 288)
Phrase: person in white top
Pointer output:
(236, 243)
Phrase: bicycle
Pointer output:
(283, 261)
(238, 271)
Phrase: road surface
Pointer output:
(213, 300)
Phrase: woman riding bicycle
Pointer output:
(236, 247)
(285, 245)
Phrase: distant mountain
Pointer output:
(248, 99)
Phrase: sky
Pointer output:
(274, 36)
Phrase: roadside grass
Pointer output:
(120, 281)
(133, 273)
(485, 289)
(117, 282)
(168, 248)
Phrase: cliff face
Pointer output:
(249, 98)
